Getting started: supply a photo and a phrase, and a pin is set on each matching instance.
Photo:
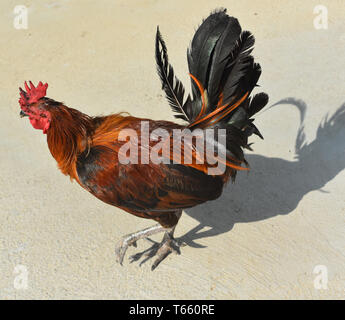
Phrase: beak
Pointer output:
(23, 114)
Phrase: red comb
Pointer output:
(32, 93)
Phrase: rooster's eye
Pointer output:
(42, 115)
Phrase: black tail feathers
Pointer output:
(223, 74)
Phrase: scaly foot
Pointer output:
(158, 250)
(131, 239)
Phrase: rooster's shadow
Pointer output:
(275, 186)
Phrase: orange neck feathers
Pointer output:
(69, 134)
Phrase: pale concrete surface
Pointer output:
(261, 239)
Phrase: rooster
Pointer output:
(89, 149)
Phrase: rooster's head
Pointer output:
(34, 105)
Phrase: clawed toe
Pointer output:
(120, 250)
(122, 246)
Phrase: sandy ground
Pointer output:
(267, 233)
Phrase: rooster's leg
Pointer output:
(168, 245)
(163, 249)
(131, 239)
